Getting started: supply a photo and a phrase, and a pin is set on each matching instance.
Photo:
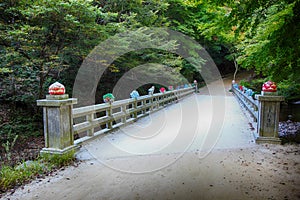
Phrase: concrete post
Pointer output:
(109, 114)
(268, 119)
(135, 108)
(123, 110)
(151, 104)
(58, 123)
(196, 86)
(90, 118)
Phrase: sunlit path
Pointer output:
(166, 131)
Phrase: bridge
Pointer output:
(185, 126)
(185, 119)
(164, 156)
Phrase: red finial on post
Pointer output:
(56, 89)
(269, 86)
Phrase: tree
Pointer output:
(261, 35)
(136, 13)
(132, 16)
(196, 19)
(40, 39)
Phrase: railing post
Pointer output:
(169, 97)
(135, 108)
(109, 114)
(58, 123)
(90, 118)
(151, 104)
(268, 118)
(176, 96)
(144, 104)
(196, 86)
(124, 112)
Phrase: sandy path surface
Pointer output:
(260, 172)
(177, 160)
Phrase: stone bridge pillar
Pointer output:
(268, 119)
(58, 123)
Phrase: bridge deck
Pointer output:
(186, 126)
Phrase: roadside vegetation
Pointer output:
(14, 176)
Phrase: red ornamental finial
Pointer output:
(162, 90)
(57, 89)
(269, 86)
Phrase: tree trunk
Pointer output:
(41, 86)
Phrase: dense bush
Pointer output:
(254, 84)
(290, 89)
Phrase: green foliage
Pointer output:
(254, 84)
(291, 90)
(26, 171)
(5, 70)
(14, 176)
(19, 125)
(259, 35)
(159, 50)
(198, 20)
(57, 161)
(41, 40)
(9, 144)
(137, 13)
(274, 46)
(15, 128)
(45, 39)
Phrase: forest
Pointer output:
(43, 41)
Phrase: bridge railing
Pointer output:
(264, 110)
(90, 121)
(248, 102)
(62, 122)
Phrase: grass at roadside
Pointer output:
(11, 177)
